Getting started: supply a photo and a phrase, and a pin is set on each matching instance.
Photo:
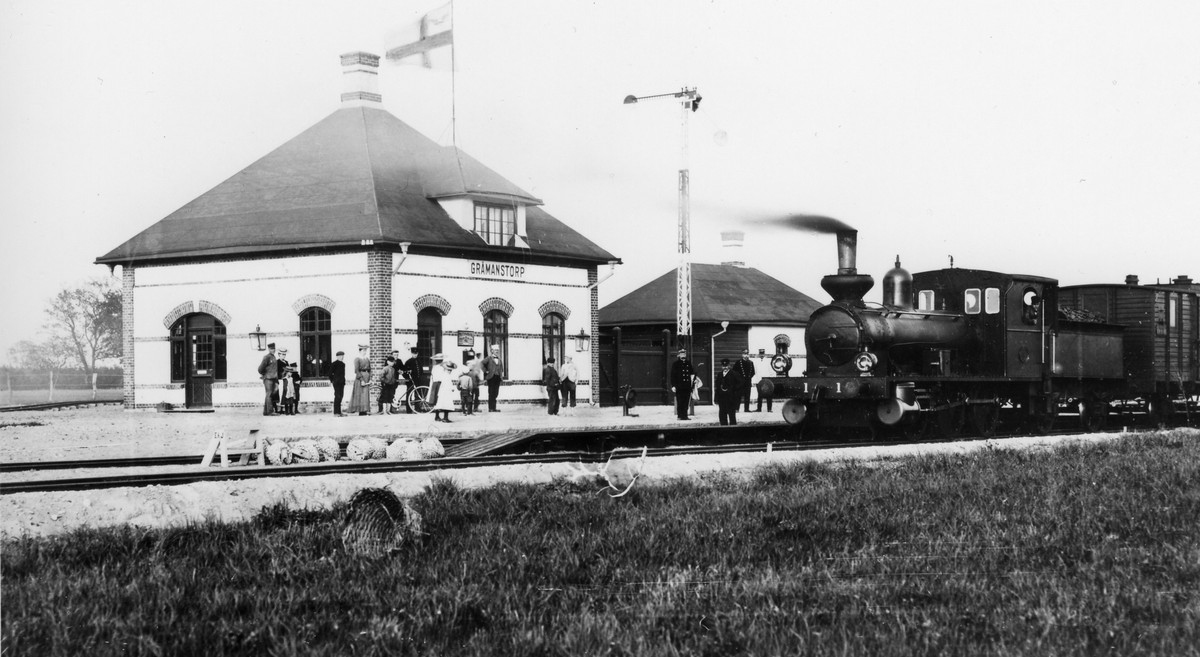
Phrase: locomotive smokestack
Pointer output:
(847, 248)
(847, 285)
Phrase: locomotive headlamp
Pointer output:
(865, 361)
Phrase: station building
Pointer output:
(734, 308)
(359, 230)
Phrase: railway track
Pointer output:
(47, 406)
(196, 474)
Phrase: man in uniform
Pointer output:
(745, 368)
(551, 381)
(728, 390)
(337, 376)
(681, 383)
(269, 372)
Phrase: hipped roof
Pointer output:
(739, 295)
(359, 174)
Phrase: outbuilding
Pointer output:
(359, 230)
(735, 309)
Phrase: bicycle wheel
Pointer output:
(418, 400)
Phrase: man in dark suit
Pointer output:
(681, 383)
(337, 376)
(728, 390)
(269, 372)
(493, 375)
(551, 381)
(408, 373)
(745, 367)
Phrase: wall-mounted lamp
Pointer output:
(258, 339)
(581, 341)
(762, 353)
(403, 256)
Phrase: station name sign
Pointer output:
(496, 270)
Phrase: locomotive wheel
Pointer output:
(1159, 410)
(1093, 415)
(948, 422)
(985, 418)
(1044, 422)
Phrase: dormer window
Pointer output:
(496, 224)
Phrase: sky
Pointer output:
(1059, 139)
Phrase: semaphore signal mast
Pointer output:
(689, 102)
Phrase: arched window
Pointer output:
(553, 337)
(495, 333)
(316, 338)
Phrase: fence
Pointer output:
(34, 387)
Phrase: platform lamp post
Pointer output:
(689, 101)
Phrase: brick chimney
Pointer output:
(1182, 280)
(1131, 279)
(731, 244)
(360, 80)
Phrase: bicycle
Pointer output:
(416, 398)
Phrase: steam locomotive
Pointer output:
(957, 350)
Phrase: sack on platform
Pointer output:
(306, 451)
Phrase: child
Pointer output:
(466, 391)
(695, 396)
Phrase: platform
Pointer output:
(110, 432)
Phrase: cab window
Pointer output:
(925, 300)
(991, 300)
(1029, 305)
(972, 301)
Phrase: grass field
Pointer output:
(1086, 550)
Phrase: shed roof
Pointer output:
(741, 295)
(359, 174)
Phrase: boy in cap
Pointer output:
(387, 386)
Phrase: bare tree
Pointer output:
(85, 322)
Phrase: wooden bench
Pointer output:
(243, 448)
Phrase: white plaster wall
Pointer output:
(763, 337)
(253, 293)
(452, 279)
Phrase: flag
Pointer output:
(434, 30)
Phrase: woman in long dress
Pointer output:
(360, 396)
(442, 380)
